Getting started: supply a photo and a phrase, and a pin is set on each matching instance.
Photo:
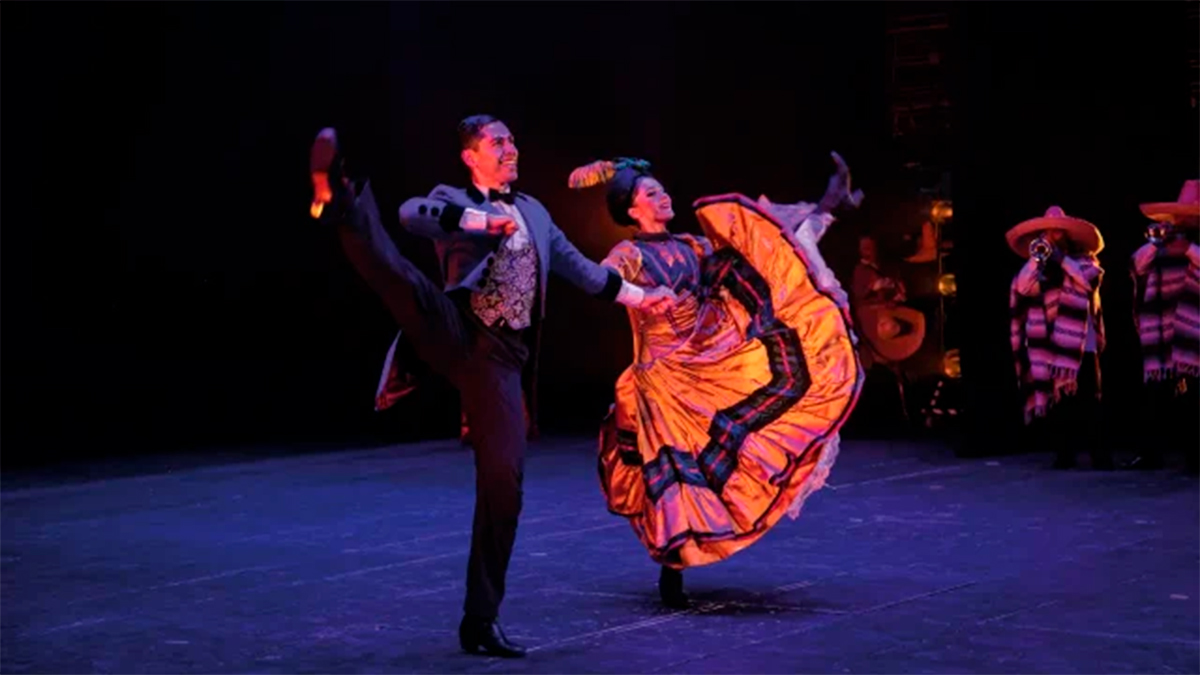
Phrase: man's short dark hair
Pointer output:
(471, 128)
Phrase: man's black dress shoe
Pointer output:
(480, 636)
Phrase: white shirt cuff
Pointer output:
(1193, 255)
(473, 221)
(630, 295)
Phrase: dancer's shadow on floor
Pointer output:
(746, 602)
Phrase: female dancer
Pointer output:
(728, 417)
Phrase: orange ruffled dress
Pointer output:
(728, 417)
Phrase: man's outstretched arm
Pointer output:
(601, 281)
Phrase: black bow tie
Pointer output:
(494, 196)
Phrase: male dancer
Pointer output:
(496, 248)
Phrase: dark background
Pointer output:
(1086, 106)
(164, 286)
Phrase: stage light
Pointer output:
(950, 364)
(947, 285)
(941, 211)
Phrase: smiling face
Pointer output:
(651, 206)
(492, 158)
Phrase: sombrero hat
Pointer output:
(1080, 231)
(1188, 204)
(894, 332)
(927, 246)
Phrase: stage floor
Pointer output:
(912, 561)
